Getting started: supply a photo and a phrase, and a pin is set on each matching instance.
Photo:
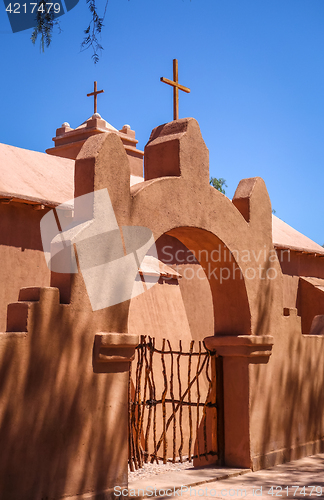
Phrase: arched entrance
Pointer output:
(230, 302)
(177, 407)
(233, 242)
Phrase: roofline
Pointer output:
(6, 198)
(308, 251)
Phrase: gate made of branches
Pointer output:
(172, 397)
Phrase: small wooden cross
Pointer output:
(95, 93)
(176, 87)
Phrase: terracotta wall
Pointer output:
(302, 281)
(310, 301)
(64, 380)
(301, 264)
(63, 396)
(177, 310)
(63, 411)
(160, 312)
(271, 414)
(286, 397)
(194, 285)
(21, 253)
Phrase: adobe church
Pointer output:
(233, 285)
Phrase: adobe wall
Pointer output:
(296, 263)
(64, 383)
(63, 410)
(253, 333)
(63, 405)
(175, 310)
(303, 275)
(310, 301)
(194, 285)
(287, 407)
(21, 253)
(260, 428)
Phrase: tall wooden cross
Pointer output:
(176, 87)
(95, 93)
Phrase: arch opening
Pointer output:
(205, 296)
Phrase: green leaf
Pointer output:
(218, 184)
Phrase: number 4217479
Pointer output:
(33, 7)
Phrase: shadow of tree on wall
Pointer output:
(287, 400)
(24, 263)
(61, 429)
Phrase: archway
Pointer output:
(230, 302)
(233, 242)
(205, 295)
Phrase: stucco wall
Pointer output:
(63, 405)
(21, 253)
(301, 264)
(286, 398)
(63, 415)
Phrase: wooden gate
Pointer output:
(172, 404)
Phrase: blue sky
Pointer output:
(255, 69)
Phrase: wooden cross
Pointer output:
(176, 87)
(95, 93)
